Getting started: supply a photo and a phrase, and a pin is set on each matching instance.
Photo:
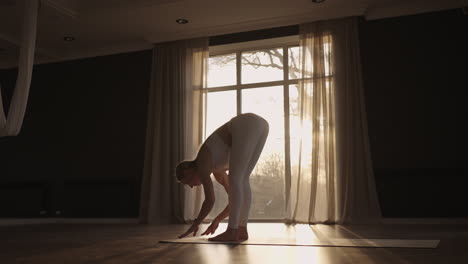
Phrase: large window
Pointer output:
(263, 80)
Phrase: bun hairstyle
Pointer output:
(182, 166)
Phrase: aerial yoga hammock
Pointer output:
(11, 125)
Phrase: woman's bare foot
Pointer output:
(243, 234)
(229, 235)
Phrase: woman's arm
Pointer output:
(222, 178)
(205, 209)
(204, 172)
(203, 163)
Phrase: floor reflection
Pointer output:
(232, 254)
(139, 244)
(300, 233)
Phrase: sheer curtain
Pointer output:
(195, 113)
(331, 172)
(11, 125)
(175, 72)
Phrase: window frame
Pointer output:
(238, 48)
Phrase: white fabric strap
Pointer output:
(11, 125)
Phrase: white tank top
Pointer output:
(220, 152)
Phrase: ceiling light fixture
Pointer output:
(318, 1)
(181, 21)
(68, 38)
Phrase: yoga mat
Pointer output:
(342, 242)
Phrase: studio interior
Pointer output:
(204, 131)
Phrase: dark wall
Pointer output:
(81, 147)
(415, 80)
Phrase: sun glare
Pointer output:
(261, 89)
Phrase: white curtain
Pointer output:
(11, 125)
(331, 174)
(174, 74)
(195, 113)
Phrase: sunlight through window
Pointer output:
(263, 83)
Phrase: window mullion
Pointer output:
(238, 84)
(287, 144)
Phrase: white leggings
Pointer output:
(249, 133)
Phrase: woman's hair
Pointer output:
(182, 166)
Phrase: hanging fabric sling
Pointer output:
(11, 125)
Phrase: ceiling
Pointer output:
(102, 27)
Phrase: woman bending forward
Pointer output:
(235, 146)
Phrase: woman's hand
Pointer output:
(193, 229)
(212, 228)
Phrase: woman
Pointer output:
(235, 146)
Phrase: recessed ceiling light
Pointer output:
(318, 1)
(181, 21)
(68, 38)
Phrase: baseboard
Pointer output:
(98, 221)
(388, 221)
(26, 221)
(425, 221)
(36, 221)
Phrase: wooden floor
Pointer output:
(132, 243)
